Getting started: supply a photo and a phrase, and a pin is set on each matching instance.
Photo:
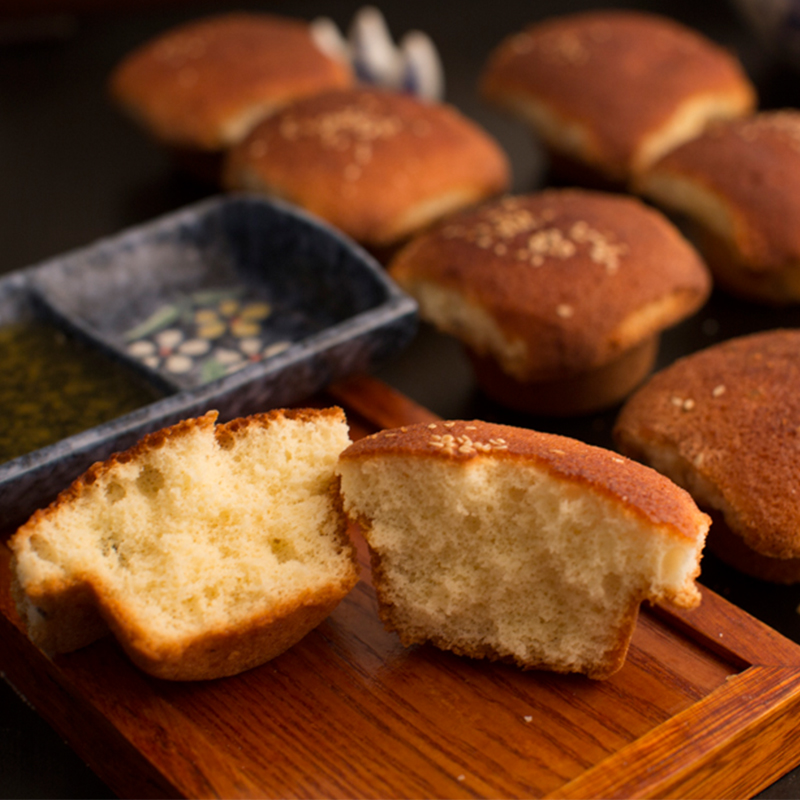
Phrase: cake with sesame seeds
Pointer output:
(736, 184)
(205, 549)
(609, 91)
(377, 164)
(504, 543)
(724, 423)
(199, 87)
(559, 296)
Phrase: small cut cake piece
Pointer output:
(205, 549)
(500, 542)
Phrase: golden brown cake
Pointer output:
(504, 543)
(200, 87)
(206, 550)
(559, 296)
(608, 92)
(739, 183)
(379, 165)
(723, 423)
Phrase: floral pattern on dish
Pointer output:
(210, 333)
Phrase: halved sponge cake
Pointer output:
(206, 549)
(505, 543)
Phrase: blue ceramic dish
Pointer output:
(238, 303)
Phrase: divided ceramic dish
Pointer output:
(237, 303)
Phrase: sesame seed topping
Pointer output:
(353, 129)
(507, 222)
(719, 390)
(450, 445)
(565, 311)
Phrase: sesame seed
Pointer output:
(565, 311)
(718, 391)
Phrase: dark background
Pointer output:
(73, 170)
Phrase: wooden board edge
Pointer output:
(731, 633)
(740, 749)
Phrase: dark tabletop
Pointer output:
(72, 171)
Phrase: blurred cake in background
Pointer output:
(378, 164)
(200, 87)
(608, 92)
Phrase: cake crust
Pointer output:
(639, 489)
(379, 165)
(747, 214)
(722, 423)
(201, 85)
(613, 90)
(555, 284)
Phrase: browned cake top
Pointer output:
(578, 275)
(753, 167)
(641, 490)
(372, 162)
(621, 74)
(732, 413)
(190, 84)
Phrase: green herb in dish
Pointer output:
(53, 386)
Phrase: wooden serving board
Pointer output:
(705, 705)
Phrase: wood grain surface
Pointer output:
(705, 705)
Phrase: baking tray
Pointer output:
(704, 706)
(325, 309)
